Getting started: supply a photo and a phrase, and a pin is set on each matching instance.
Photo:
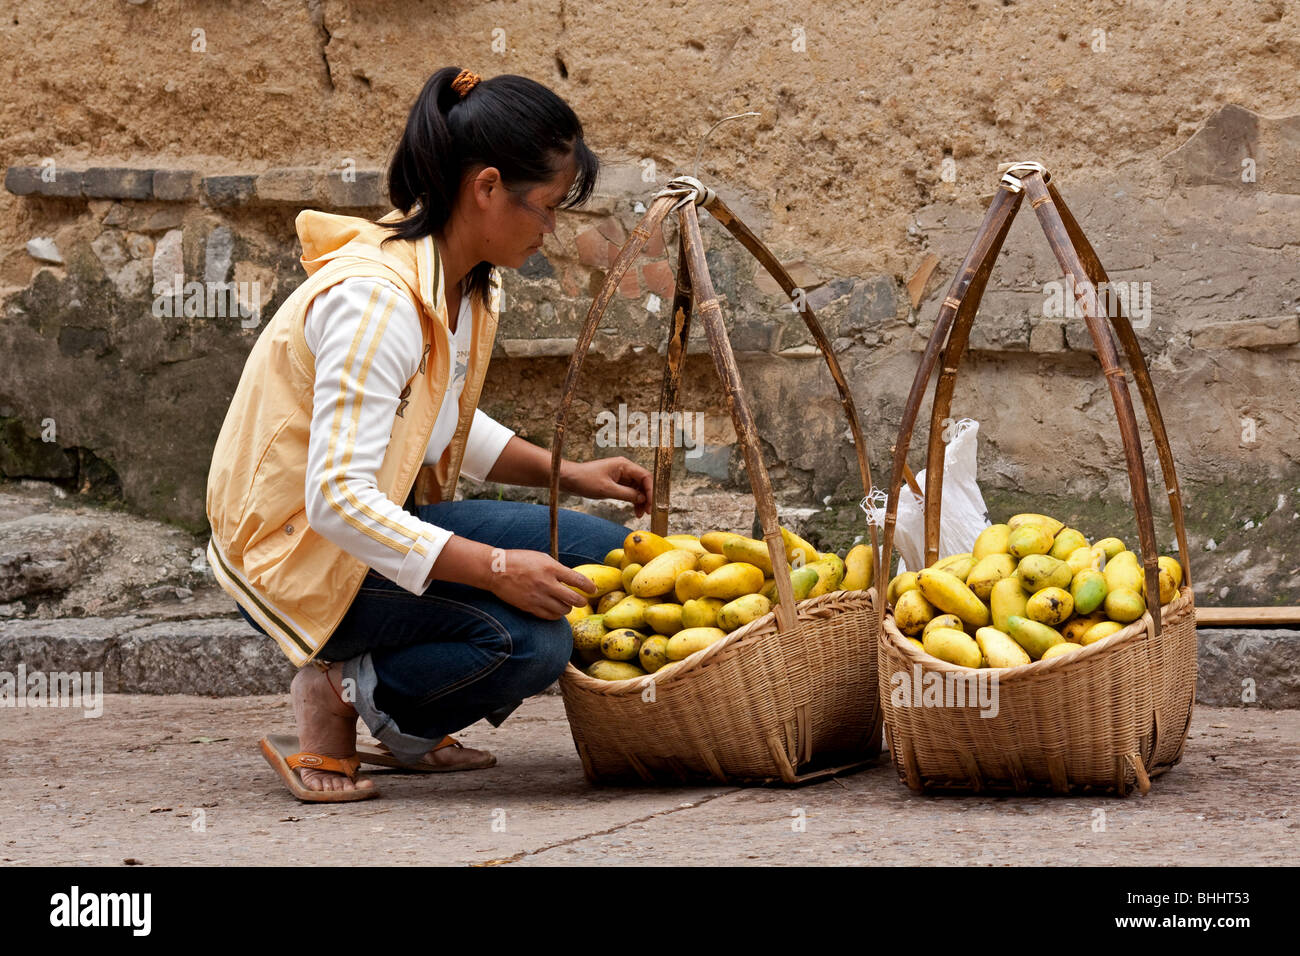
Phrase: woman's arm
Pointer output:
(523, 463)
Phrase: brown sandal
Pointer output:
(281, 752)
(382, 758)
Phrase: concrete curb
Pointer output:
(224, 657)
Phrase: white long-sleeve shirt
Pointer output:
(366, 337)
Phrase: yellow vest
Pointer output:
(294, 583)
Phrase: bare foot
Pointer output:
(326, 726)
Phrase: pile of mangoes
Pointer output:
(659, 600)
(1031, 589)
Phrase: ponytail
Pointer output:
(511, 122)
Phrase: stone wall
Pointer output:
(146, 140)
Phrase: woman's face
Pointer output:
(514, 219)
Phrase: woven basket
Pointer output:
(790, 697)
(1108, 717)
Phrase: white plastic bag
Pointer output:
(963, 512)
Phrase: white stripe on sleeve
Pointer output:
(365, 334)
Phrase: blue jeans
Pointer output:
(427, 665)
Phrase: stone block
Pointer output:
(27, 181)
(1259, 664)
(1251, 333)
(117, 182)
(176, 185)
(363, 191)
(234, 190)
(300, 186)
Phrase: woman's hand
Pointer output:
(610, 478)
(535, 582)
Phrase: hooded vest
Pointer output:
(294, 583)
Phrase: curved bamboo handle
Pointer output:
(659, 208)
(980, 257)
(720, 211)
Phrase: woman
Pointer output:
(421, 621)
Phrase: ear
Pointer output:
(485, 182)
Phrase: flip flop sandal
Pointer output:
(281, 752)
(382, 758)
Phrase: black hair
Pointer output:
(511, 122)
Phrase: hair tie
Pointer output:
(465, 81)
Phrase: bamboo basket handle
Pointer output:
(677, 341)
(981, 255)
(659, 208)
(733, 224)
(1107, 353)
(711, 313)
(1138, 366)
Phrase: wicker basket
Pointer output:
(790, 697)
(1110, 716)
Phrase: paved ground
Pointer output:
(128, 785)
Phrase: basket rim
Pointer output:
(675, 671)
(1140, 629)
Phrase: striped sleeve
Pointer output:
(486, 440)
(365, 334)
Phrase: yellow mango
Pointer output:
(989, 571)
(607, 601)
(953, 646)
(686, 642)
(992, 540)
(1111, 546)
(999, 649)
(1175, 570)
(1059, 650)
(664, 618)
(1050, 606)
(1100, 630)
(1050, 525)
(750, 551)
(1123, 573)
(629, 572)
(701, 612)
(623, 644)
(588, 633)
(951, 595)
(578, 613)
(642, 547)
(1034, 637)
(945, 620)
(858, 569)
(616, 558)
(1066, 542)
(686, 542)
(660, 575)
(654, 653)
(1085, 559)
(628, 613)
(830, 572)
(1038, 571)
(901, 582)
(710, 562)
(912, 612)
(1028, 539)
(1007, 598)
(603, 576)
(733, 580)
(614, 670)
(742, 610)
(1124, 605)
(797, 550)
(689, 585)
(712, 541)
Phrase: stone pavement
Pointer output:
(179, 780)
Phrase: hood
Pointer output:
(328, 237)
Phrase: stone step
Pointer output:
(224, 657)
